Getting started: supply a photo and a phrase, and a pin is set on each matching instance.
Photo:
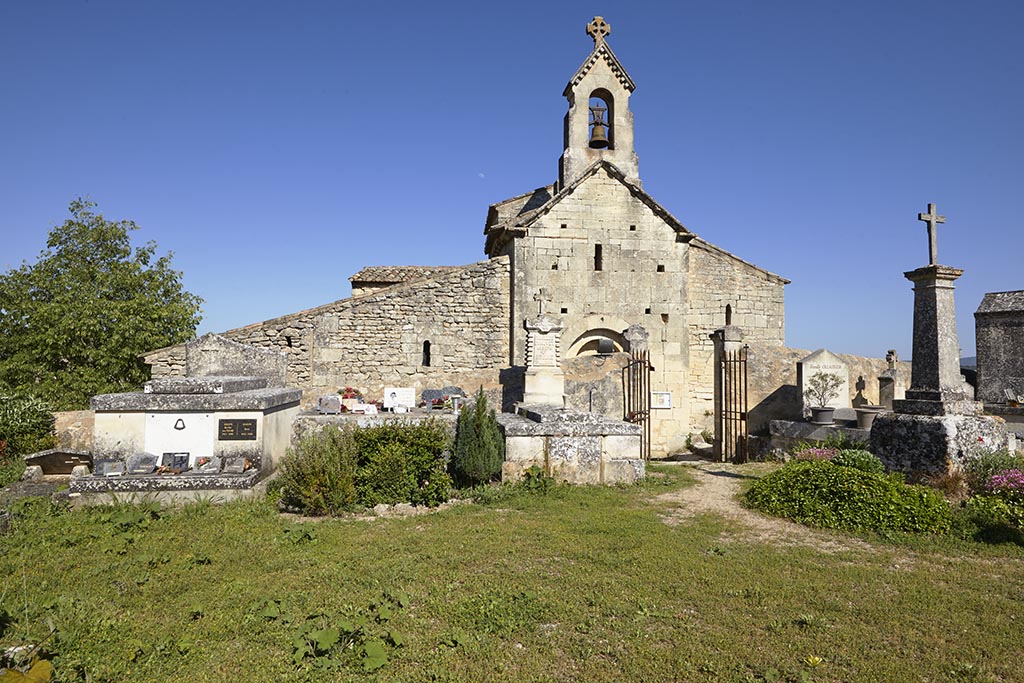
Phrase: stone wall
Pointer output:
(376, 340)
(379, 339)
(74, 429)
(756, 300)
(772, 385)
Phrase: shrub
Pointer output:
(479, 445)
(826, 495)
(401, 461)
(318, 475)
(334, 470)
(26, 425)
(858, 459)
(980, 468)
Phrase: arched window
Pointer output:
(426, 354)
(601, 117)
(728, 314)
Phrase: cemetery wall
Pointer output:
(377, 338)
(73, 429)
(718, 279)
(772, 382)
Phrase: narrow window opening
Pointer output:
(661, 267)
(426, 354)
(288, 341)
(664, 318)
(565, 310)
(647, 311)
(728, 314)
(598, 257)
(632, 228)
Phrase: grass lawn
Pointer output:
(580, 584)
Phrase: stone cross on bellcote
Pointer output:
(598, 29)
(932, 218)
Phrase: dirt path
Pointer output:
(718, 485)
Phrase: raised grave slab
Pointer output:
(203, 385)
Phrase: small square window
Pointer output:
(632, 228)
(564, 226)
(554, 266)
(565, 310)
(647, 311)
(661, 267)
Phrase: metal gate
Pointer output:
(731, 442)
(636, 398)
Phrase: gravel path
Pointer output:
(716, 492)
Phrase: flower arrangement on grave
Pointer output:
(350, 392)
(822, 388)
(441, 402)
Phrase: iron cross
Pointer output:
(931, 218)
(598, 29)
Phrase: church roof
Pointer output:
(522, 211)
(601, 52)
(395, 274)
(1002, 302)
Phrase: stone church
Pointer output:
(592, 249)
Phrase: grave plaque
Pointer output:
(399, 396)
(109, 468)
(141, 463)
(235, 465)
(236, 430)
(329, 405)
(208, 464)
(825, 362)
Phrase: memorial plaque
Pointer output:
(141, 463)
(328, 405)
(235, 465)
(236, 430)
(208, 464)
(399, 396)
(109, 468)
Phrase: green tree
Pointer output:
(479, 444)
(74, 323)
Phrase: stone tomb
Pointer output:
(179, 433)
(545, 381)
(572, 446)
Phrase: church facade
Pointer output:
(592, 249)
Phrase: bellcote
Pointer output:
(598, 125)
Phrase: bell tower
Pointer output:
(598, 124)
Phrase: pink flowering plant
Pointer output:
(1008, 486)
(815, 453)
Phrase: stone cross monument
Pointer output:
(937, 426)
(935, 384)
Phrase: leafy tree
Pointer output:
(479, 444)
(74, 323)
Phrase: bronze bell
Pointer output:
(599, 134)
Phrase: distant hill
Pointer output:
(969, 362)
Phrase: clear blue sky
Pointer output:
(278, 147)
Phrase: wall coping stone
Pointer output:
(256, 399)
(212, 384)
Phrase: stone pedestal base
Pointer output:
(544, 387)
(934, 444)
(580, 448)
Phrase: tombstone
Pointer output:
(214, 355)
(208, 464)
(108, 467)
(545, 381)
(235, 465)
(823, 361)
(887, 381)
(329, 405)
(429, 395)
(141, 463)
(399, 397)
